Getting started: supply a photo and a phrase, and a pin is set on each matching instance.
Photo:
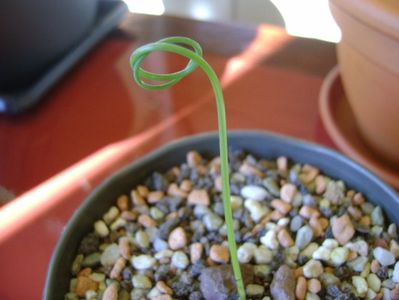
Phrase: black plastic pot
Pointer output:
(261, 144)
(34, 34)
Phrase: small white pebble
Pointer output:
(322, 253)
(330, 244)
(140, 281)
(383, 256)
(101, 228)
(312, 269)
(166, 253)
(311, 296)
(256, 209)
(263, 255)
(374, 282)
(360, 285)
(339, 256)
(371, 295)
(254, 192)
(246, 252)
(236, 202)
(395, 274)
(143, 262)
(270, 240)
(111, 215)
(180, 260)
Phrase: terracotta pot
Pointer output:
(368, 56)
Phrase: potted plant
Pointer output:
(369, 65)
(155, 230)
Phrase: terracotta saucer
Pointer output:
(338, 120)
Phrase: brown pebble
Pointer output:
(375, 266)
(358, 199)
(352, 255)
(174, 190)
(194, 159)
(218, 183)
(314, 286)
(316, 226)
(186, 185)
(117, 268)
(310, 173)
(282, 164)
(324, 223)
(287, 192)
(155, 196)
(164, 288)
(111, 292)
(129, 215)
(365, 220)
(146, 221)
(249, 170)
(381, 243)
(282, 206)
(309, 212)
(123, 202)
(172, 215)
(177, 238)
(298, 272)
(85, 272)
(301, 288)
(395, 293)
(137, 199)
(125, 248)
(275, 215)
(342, 229)
(355, 213)
(196, 251)
(285, 238)
(394, 248)
(143, 191)
(219, 254)
(199, 197)
(283, 284)
(83, 284)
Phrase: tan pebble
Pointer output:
(174, 190)
(146, 221)
(137, 199)
(125, 248)
(117, 268)
(355, 213)
(287, 192)
(249, 170)
(275, 215)
(266, 219)
(219, 254)
(210, 262)
(129, 215)
(310, 173)
(155, 196)
(301, 288)
(324, 223)
(365, 220)
(282, 164)
(329, 269)
(321, 184)
(162, 297)
(281, 206)
(298, 272)
(218, 183)
(375, 266)
(83, 284)
(196, 251)
(394, 248)
(202, 170)
(381, 243)
(164, 288)
(164, 260)
(186, 185)
(111, 292)
(316, 226)
(172, 215)
(215, 166)
(314, 286)
(285, 238)
(342, 229)
(84, 272)
(123, 202)
(358, 199)
(350, 194)
(308, 212)
(194, 159)
(257, 228)
(143, 191)
(199, 197)
(177, 238)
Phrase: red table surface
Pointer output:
(98, 120)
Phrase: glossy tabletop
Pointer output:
(97, 120)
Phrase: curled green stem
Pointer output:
(143, 78)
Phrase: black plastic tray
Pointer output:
(110, 13)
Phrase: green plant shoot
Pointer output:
(143, 78)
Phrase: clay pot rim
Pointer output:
(382, 16)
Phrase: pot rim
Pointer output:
(381, 15)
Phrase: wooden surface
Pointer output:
(97, 121)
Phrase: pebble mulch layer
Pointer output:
(301, 235)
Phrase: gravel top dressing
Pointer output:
(300, 235)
